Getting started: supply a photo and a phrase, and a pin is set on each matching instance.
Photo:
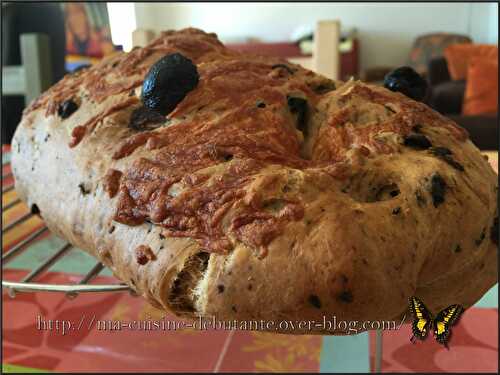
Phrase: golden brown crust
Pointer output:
(249, 211)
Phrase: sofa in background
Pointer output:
(446, 96)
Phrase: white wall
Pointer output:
(122, 21)
(493, 24)
(483, 25)
(386, 30)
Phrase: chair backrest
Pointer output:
(35, 74)
(39, 18)
(23, 83)
(25, 58)
(326, 53)
(430, 46)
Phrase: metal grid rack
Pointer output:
(26, 284)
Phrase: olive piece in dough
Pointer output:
(167, 83)
(67, 108)
(408, 82)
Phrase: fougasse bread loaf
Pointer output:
(216, 183)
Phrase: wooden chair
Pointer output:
(35, 74)
(325, 59)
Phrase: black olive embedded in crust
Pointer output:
(455, 164)
(35, 210)
(67, 108)
(143, 118)
(494, 231)
(298, 106)
(315, 301)
(445, 154)
(481, 237)
(260, 104)
(83, 189)
(167, 83)
(286, 67)
(440, 151)
(438, 189)
(417, 141)
(408, 82)
(324, 87)
(345, 296)
(396, 211)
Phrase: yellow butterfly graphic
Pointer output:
(423, 321)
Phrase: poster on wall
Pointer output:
(88, 35)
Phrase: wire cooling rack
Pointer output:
(27, 283)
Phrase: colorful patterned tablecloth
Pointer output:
(29, 344)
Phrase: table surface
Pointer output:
(25, 346)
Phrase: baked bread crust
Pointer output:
(243, 205)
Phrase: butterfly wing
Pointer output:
(422, 319)
(444, 321)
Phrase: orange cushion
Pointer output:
(481, 90)
(458, 57)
